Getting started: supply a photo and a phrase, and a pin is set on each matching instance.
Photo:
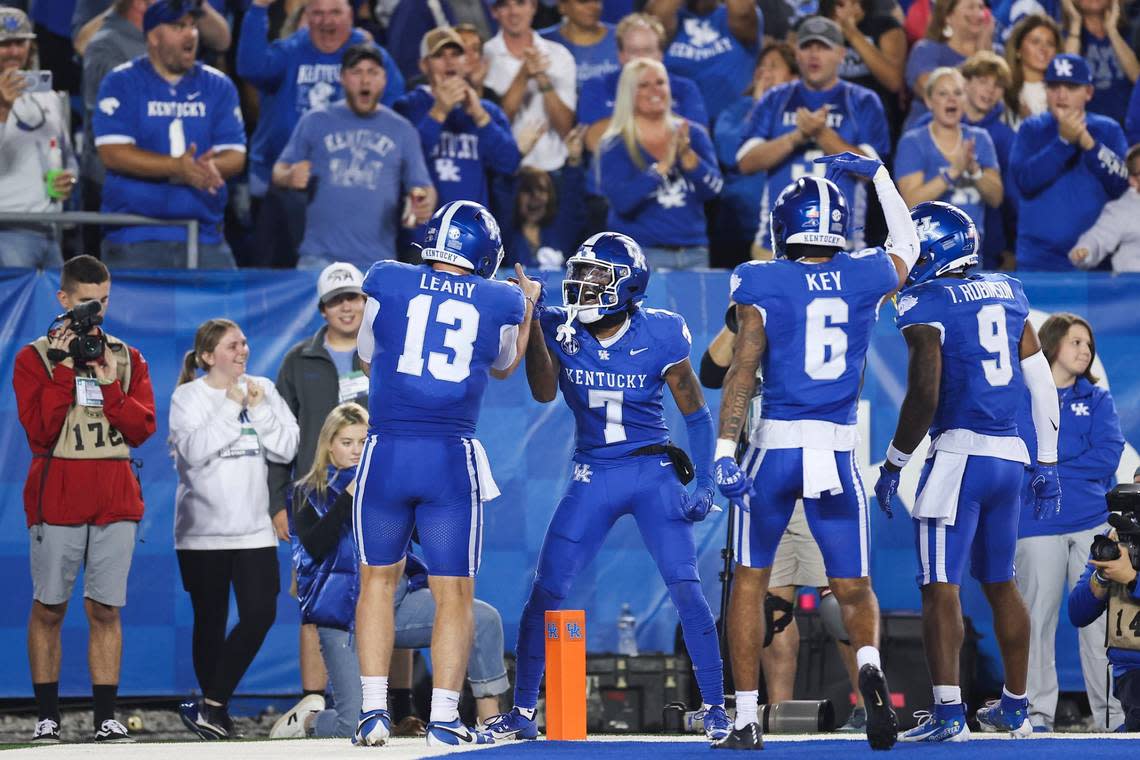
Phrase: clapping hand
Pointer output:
(535, 63)
(847, 162)
(255, 394)
(235, 393)
(1070, 125)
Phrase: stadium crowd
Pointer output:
(285, 127)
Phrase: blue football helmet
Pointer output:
(464, 234)
(605, 275)
(811, 210)
(947, 238)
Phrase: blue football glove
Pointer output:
(731, 481)
(886, 487)
(1046, 487)
(697, 505)
(847, 162)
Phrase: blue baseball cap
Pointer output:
(169, 11)
(1068, 68)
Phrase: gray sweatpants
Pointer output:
(1047, 569)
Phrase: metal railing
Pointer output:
(55, 219)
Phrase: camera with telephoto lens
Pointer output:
(1123, 504)
(84, 348)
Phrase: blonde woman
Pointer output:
(947, 160)
(657, 170)
(1034, 41)
(957, 30)
(224, 427)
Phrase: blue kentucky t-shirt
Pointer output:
(362, 166)
(593, 61)
(705, 51)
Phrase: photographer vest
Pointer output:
(1123, 619)
(86, 433)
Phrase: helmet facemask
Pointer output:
(590, 288)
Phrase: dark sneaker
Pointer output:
(882, 723)
(742, 738)
(856, 722)
(47, 732)
(113, 732)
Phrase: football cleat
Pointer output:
(742, 738)
(716, 721)
(946, 724)
(1006, 715)
(511, 725)
(373, 728)
(47, 732)
(882, 723)
(454, 733)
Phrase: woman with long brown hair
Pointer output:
(224, 426)
(1034, 41)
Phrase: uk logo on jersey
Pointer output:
(604, 355)
(446, 170)
(583, 473)
(1080, 409)
(109, 106)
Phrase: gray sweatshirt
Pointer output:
(1116, 234)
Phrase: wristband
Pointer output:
(1099, 578)
(896, 457)
(725, 447)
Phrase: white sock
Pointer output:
(374, 691)
(444, 706)
(868, 656)
(746, 702)
(526, 712)
(1007, 693)
(947, 695)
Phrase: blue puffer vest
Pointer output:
(327, 590)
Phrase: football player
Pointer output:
(972, 353)
(612, 360)
(432, 333)
(808, 316)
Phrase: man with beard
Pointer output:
(358, 160)
(170, 133)
(293, 76)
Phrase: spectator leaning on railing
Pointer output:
(169, 131)
(34, 150)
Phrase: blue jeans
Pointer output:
(415, 612)
(165, 254)
(29, 248)
(690, 257)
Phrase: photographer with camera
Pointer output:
(1109, 582)
(37, 167)
(84, 399)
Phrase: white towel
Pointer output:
(938, 499)
(488, 489)
(820, 473)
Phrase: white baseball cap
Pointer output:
(337, 278)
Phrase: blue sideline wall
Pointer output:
(529, 446)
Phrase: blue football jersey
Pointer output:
(138, 107)
(615, 386)
(818, 319)
(436, 336)
(981, 319)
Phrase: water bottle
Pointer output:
(627, 632)
(53, 167)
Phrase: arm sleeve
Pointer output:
(42, 400)
(497, 143)
(197, 436)
(758, 125)
(429, 130)
(1035, 167)
(1103, 447)
(1046, 412)
(414, 171)
(1106, 161)
(702, 442)
(705, 177)
(625, 186)
(321, 534)
(113, 122)
(903, 243)
(711, 374)
(365, 338)
(276, 426)
(1084, 608)
(508, 347)
(1132, 119)
(258, 61)
(132, 413)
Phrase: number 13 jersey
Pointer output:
(432, 338)
(818, 320)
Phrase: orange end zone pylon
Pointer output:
(566, 675)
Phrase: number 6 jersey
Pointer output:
(432, 338)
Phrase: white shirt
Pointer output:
(24, 151)
(549, 153)
(222, 500)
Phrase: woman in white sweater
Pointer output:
(224, 426)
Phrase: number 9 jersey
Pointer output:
(818, 320)
(432, 338)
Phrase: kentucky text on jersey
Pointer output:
(604, 379)
(360, 139)
(684, 50)
(465, 289)
(452, 145)
(175, 109)
(308, 73)
(976, 291)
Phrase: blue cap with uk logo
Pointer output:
(169, 11)
(1068, 68)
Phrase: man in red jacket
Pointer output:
(82, 500)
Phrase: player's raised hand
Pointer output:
(847, 162)
(531, 289)
(886, 487)
(731, 481)
(697, 505)
(1046, 487)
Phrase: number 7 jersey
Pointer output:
(433, 337)
(818, 320)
